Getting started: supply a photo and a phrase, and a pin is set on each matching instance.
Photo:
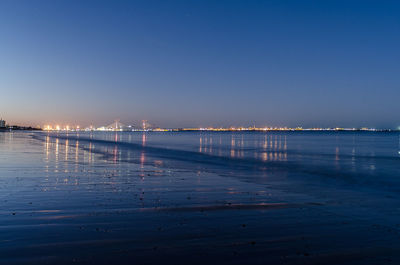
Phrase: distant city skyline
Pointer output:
(144, 125)
(201, 63)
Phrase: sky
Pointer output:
(201, 63)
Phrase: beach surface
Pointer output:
(199, 197)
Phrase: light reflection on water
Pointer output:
(269, 147)
(266, 147)
(347, 155)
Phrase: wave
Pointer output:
(246, 167)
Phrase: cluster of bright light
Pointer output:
(131, 128)
(61, 128)
(92, 128)
(275, 129)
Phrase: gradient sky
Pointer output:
(199, 63)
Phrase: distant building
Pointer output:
(2, 123)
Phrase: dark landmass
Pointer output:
(19, 128)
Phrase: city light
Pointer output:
(145, 127)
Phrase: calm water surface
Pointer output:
(191, 197)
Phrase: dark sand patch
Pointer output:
(224, 207)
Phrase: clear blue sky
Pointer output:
(199, 63)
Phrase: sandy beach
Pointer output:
(67, 199)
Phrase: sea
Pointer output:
(302, 197)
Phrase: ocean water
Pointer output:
(196, 197)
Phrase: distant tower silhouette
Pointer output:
(116, 125)
(144, 124)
